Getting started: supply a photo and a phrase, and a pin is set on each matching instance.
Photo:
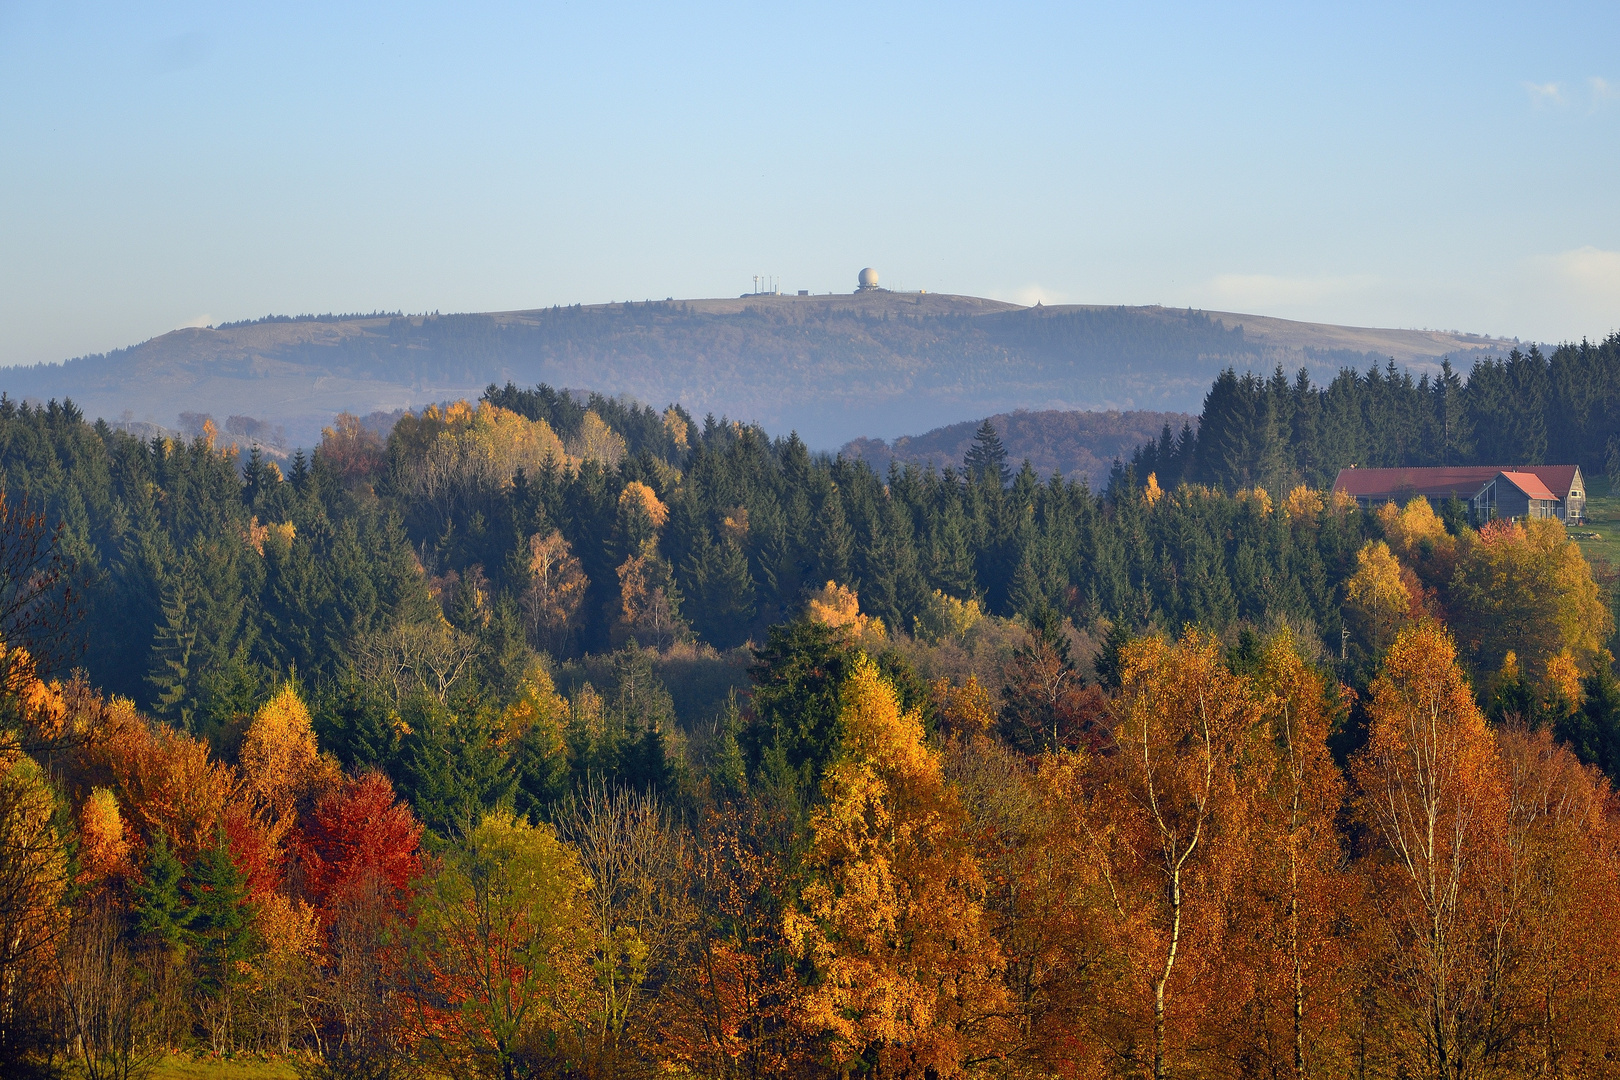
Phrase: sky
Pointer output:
(1427, 166)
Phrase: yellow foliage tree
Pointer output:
(556, 591)
(454, 451)
(1304, 504)
(1259, 496)
(499, 939)
(1564, 677)
(945, 618)
(892, 921)
(1419, 538)
(962, 710)
(33, 878)
(676, 426)
(838, 606)
(1526, 586)
(1378, 598)
(279, 759)
(597, 442)
(104, 843)
(282, 975)
(537, 708)
(647, 502)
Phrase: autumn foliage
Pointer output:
(1004, 847)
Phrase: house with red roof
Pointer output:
(1491, 491)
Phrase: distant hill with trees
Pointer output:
(1076, 444)
(831, 367)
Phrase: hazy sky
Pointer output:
(1455, 167)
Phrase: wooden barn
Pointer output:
(1491, 491)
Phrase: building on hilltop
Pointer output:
(1491, 491)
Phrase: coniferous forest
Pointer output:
(551, 735)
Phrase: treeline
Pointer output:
(1527, 409)
(538, 521)
(327, 318)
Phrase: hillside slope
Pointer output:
(832, 367)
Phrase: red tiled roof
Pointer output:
(1464, 481)
(1529, 483)
(1558, 478)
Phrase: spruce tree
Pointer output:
(986, 460)
(833, 540)
(160, 915)
(173, 660)
(223, 927)
(728, 769)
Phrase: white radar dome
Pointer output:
(868, 278)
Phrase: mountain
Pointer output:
(1075, 444)
(832, 367)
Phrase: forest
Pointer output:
(1525, 409)
(551, 735)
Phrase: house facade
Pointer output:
(1491, 491)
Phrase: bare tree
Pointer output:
(636, 857)
(432, 657)
(100, 996)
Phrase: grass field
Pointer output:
(1601, 538)
(182, 1067)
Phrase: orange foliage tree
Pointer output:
(892, 921)
(1168, 825)
(734, 1009)
(1289, 944)
(1433, 797)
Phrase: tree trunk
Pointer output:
(1159, 1069)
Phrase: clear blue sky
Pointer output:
(1453, 167)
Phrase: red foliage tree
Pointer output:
(360, 831)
